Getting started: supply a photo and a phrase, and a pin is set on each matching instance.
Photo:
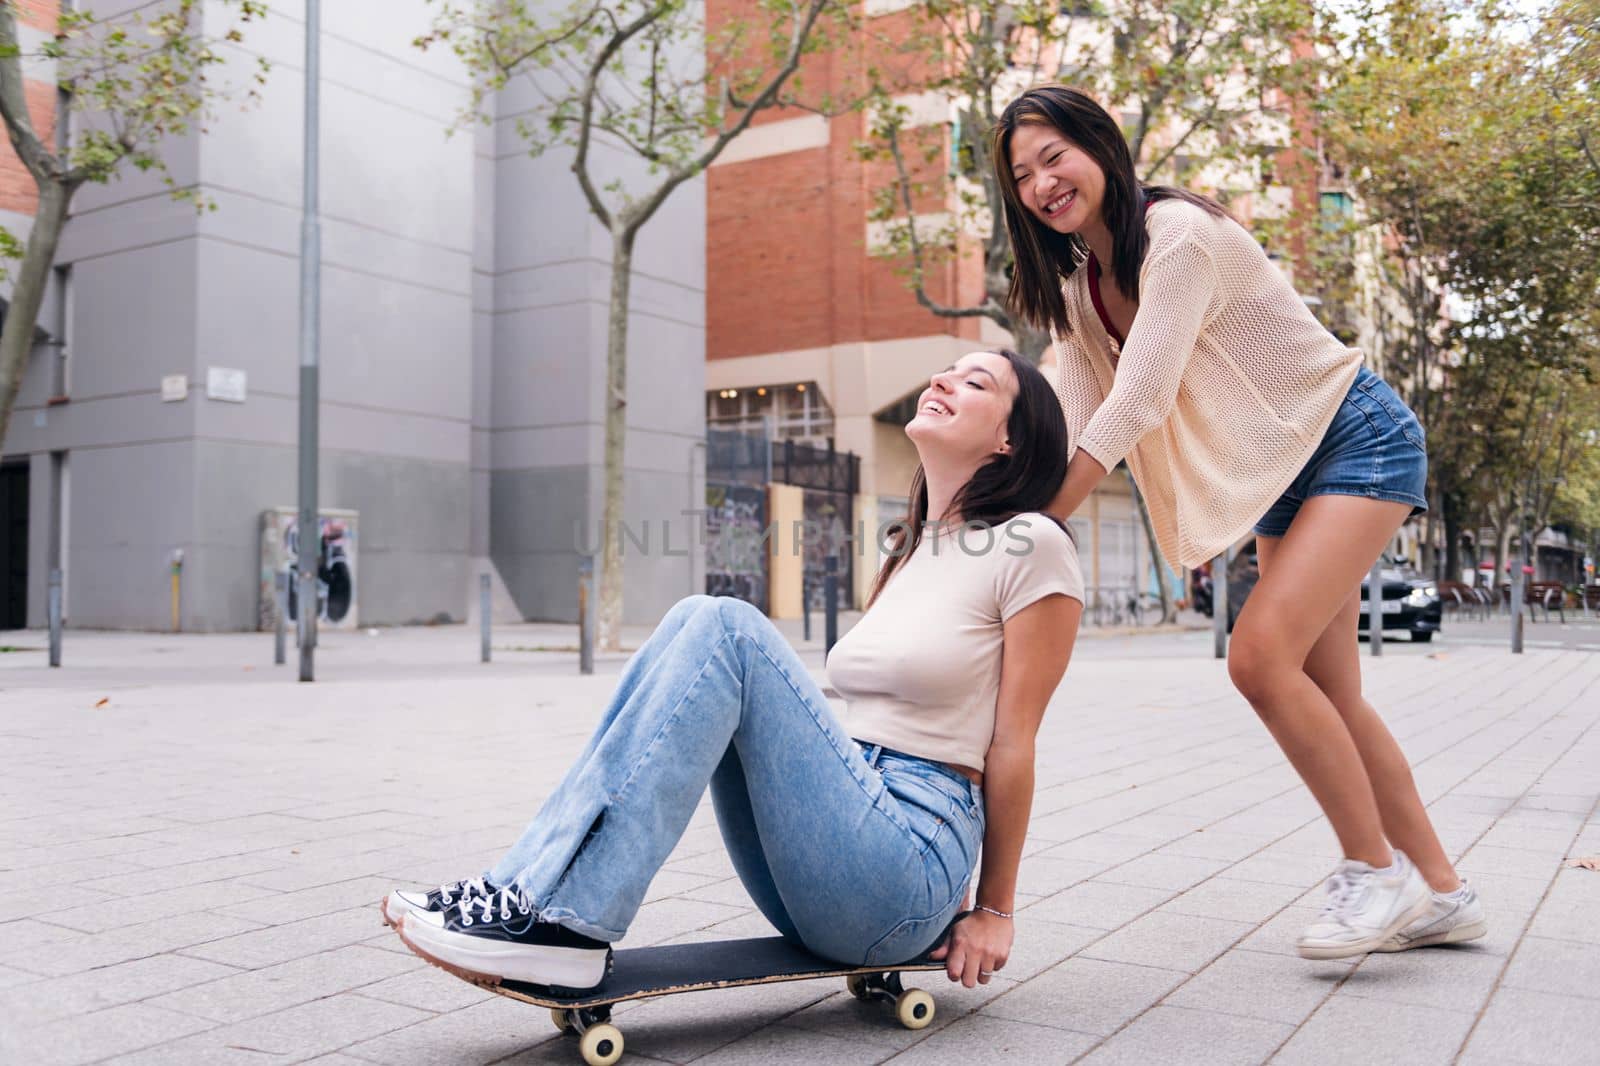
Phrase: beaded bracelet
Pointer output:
(991, 910)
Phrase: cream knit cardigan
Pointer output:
(1223, 391)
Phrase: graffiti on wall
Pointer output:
(336, 574)
(736, 558)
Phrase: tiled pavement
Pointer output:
(188, 871)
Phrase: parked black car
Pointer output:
(1410, 600)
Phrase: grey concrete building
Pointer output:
(463, 338)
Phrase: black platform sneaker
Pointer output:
(498, 938)
(435, 901)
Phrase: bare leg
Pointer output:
(1331, 544)
(1334, 664)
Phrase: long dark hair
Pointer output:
(1043, 256)
(1024, 479)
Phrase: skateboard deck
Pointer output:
(644, 973)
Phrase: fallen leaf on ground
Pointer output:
(103, 701)
(1588, 862)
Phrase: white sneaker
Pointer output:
(1365, 907)
(1449, 919)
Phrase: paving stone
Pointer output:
(1557, 966)
(10, 978)
(114, 1031)
(94, 990)
(300, 1032)
(1234, 900)
(1253, 984)
(1523, 1026)
(980, 1038)
(251, 993)
(1216, 844)
(1509, 862)
(280, 943)
(97, 950)
(1175, 872)
(785, 1043)
(1086, 995)
(114, 912)
(1039, 945)
(1178, 1036)
(1280, 934)
(485, 1032)
(1416, 1036)
(1107, 847)
(1097, 904)
(1284, 868)
(426, 988)
(1453, 977)
(1169, 941)
(1571, 909)
(281, 908)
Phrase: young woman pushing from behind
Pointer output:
(1183, 350)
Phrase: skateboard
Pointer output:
(644, 973)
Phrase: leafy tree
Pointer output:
(138, 79)
(1466, 135)
(1198, 83)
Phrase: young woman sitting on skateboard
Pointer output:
(858, 836)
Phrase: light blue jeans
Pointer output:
(859, 853)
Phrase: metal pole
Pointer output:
(483, 615)
(830, 603)
(54, 609)
(805, 609)
(1517, 596)
(1219, 604)
(310, 555)
(586, 615)
(280, 596)
(1375, 606)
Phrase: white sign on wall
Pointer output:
(174, 388)
(225, 384)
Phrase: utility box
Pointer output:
(337, 584)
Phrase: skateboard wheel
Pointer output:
(559, 1016)
(914, 1008)
(602, 1045)
(856, 985)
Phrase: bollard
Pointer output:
(483, 616)
(805, 610)
(306, 623)
(830, 603)
(177, 582)
(1375, 606)
(280, 596)
(1219, 604)
(54, 609)
(1517, 596)
(586, 615)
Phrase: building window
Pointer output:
(796, 411)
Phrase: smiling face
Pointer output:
(1057, 182)
(962, 414)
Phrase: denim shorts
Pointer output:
(1374, 447)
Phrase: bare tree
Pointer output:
(651, 79)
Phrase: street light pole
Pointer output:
(309, 556)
